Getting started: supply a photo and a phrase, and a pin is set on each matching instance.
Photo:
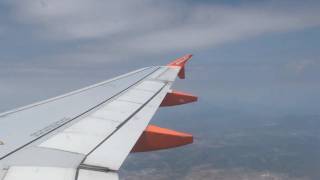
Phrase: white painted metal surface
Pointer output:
(24, 125)
(137, 96)
(117, 111)
(152, 86)
(169, 75)
(114, 150)
(87, 133)
(83, 136)
(97, 126)
(40, 173)
(156, 74)
(96, 175)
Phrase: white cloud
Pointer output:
(208, 26)
(115, 28)
(80, 19)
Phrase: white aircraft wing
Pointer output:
(86, 134)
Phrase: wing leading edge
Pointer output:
(87, 134)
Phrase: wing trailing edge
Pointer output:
(156, 138)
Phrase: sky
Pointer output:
(258, 58)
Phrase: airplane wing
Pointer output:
(87, 134)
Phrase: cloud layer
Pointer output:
(116, 29)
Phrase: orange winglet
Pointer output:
(156, 138)
(181, 62)
(177, 98)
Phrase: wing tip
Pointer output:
(180, 62)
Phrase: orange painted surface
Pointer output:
(181, 62)
(156, 138)
(177, 98)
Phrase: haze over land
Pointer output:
(256, 69)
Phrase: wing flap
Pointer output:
(83, 136)
(137, 96)
(56, 173)
(39, 173)
(113, 151)
(116, 111)
(96, 175)
(152, 86)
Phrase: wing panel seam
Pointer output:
(67, 122)
(71, 93)
(118, 127)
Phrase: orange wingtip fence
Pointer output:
(181, 62)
